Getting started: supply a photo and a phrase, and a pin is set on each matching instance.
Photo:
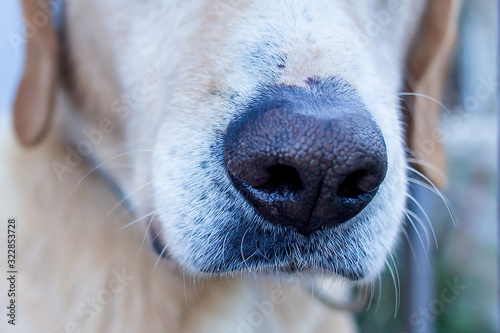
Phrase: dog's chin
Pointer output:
(256, 249)
(286, 268)
(283, 269)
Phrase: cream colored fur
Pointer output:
(68, 258)
(165, 74)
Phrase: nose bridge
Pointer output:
(307, 157)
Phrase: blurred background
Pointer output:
(455, 286)
(12, 58)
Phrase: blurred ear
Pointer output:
(34, 102)
(428, 66)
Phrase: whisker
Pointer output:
(125, 199)
(364, 295)
(157, 260)
(132, 207)
(107, 161)
(184, 284)
(395, 287)
(372, 295)
(425, 248)
(379, 298)
(426, 97)
(436, 189)
(127, 166)
(426, 164)
(410, 219)
(424, 185)
(426, 216)
(412, 250)
(135, 221)
(277, 281)
(145, 236)
(262, 254)
(242, 253)
(422, 225)
(398, 293)
(160, 255)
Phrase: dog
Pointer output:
(190, 166)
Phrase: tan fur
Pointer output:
(72, 239)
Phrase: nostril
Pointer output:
(359, 182)
(282, 179)
(349, 188)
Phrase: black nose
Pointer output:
(307, 157)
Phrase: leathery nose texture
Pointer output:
(307, 157)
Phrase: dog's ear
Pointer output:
(428, 65)
(34, 102)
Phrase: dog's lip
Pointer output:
(158, 247)
(157, 243)
(294, 268)
(287, 268)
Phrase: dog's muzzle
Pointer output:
(307, 157)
